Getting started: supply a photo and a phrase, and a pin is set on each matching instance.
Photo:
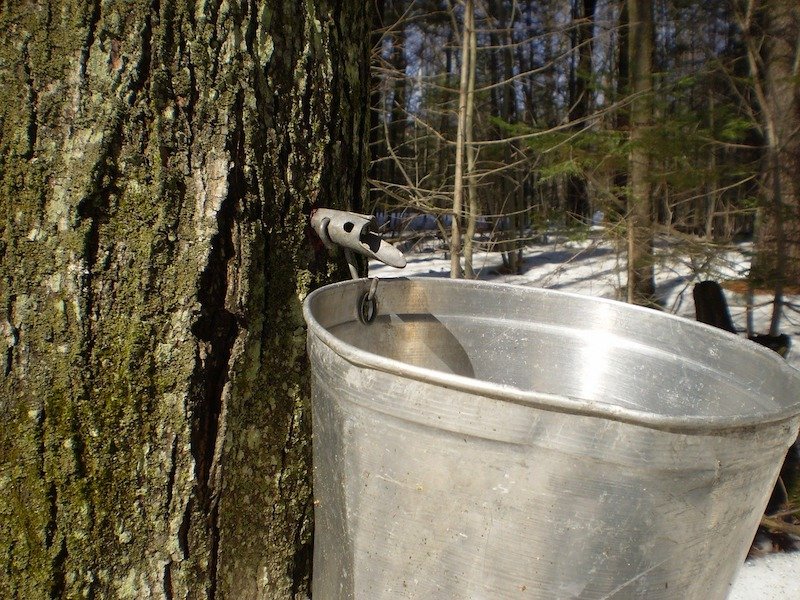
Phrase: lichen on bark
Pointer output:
(158, 162)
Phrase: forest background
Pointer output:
(675, 120)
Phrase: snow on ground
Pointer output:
(772, 577)
(594, 266)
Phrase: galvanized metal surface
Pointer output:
(355, 232)
(481, 441)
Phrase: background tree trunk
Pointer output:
(377, 101)
(157, 165)
(471, 155)
(456, 271)
(583, 11)
(772, 31)
(641, 278)
(398, 114)
(507, 195)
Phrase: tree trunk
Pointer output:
(158, 162)
(398, 112)
(377, 102)
(458, 185)
(776, 75)
(622, 121)
(641, 279)
(471, 156)
(577, 191)
(712, 198)
(506, 200)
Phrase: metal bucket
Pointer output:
(482, 441)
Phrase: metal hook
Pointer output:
(355, 233)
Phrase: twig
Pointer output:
(785, 513)
(774, 524)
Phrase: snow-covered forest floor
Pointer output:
(590, 264)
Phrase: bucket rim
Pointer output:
(688, 424)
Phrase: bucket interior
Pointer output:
(607, 353)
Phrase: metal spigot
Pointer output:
(355, 233)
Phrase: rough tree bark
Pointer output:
(157, 165)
